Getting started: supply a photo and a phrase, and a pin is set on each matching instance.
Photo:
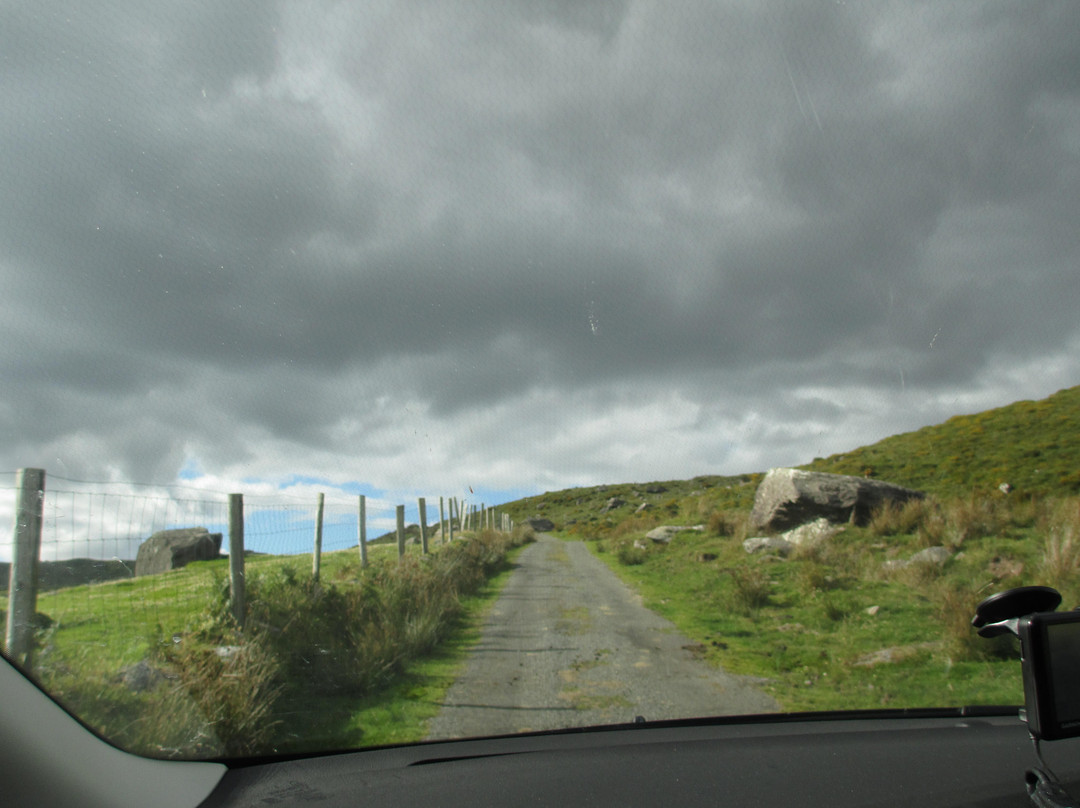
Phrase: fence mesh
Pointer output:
(91, 534)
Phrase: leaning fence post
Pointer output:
(422, 507)
(316, 556)
(362, 530)
(453, 501)
(25, 550)
(400, 532)
(236, 557)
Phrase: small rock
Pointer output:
(931, 555)
(707, 557)
(612, 504)
(768, 544)
(872, 610)
(140, 677)
(656, 489)
(1005, 488)
(644, 506)
(812, 533)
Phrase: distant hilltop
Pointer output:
(73, 572)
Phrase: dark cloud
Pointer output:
(265, 239)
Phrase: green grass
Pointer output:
(802, 624)
(361, 658)
(805, 624)
(1029, 444)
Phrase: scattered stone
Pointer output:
(172, 549)
(887, 656)
(704, 557)
(1005, 488)
(872, 610)
(931, 555)
(655, 489)
(540, 525)
(787, 498)
(664, 533)
(141, 676)
(644, 506)
(612, 504)
(768, 544)
(640, 545)
(934, 556)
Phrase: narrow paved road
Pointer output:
(568, 644)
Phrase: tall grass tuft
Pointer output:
(1059, 566)
(894, 518)
(729, 523)
(750, 590)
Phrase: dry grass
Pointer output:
(750, 589)
(729, 523)
(1059, 566)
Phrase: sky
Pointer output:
(418, 248)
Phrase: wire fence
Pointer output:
(85, 537)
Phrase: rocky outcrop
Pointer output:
(790, 497)
(172, 549)
(540, 525)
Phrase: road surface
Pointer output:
(568, 644)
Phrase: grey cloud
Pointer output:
(275, 220)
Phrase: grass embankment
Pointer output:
(835, 627)
(361, 658)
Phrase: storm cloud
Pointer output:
(525, 246)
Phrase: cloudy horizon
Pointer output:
(414, 248)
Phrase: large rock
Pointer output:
(787, 498)
(172, 549)
(540, 525)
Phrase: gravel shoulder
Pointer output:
(568, 644)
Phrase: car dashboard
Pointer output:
(917, 760)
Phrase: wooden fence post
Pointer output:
(236, 558)
(362, 531)
(400, 532)
(25, 552)
(453, 500)
(442, 520)
(316, 556)
(422, 507)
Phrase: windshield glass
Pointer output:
(379, 373)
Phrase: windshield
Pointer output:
(381, 373)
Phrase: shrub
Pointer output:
(1059, 566)
(959, 639)
(972, 518)
(234, 689)
(894, 518)
(751, 588)
(631, 555)
(729, 523)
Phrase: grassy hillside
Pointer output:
(848, 624)
(1032, 445)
